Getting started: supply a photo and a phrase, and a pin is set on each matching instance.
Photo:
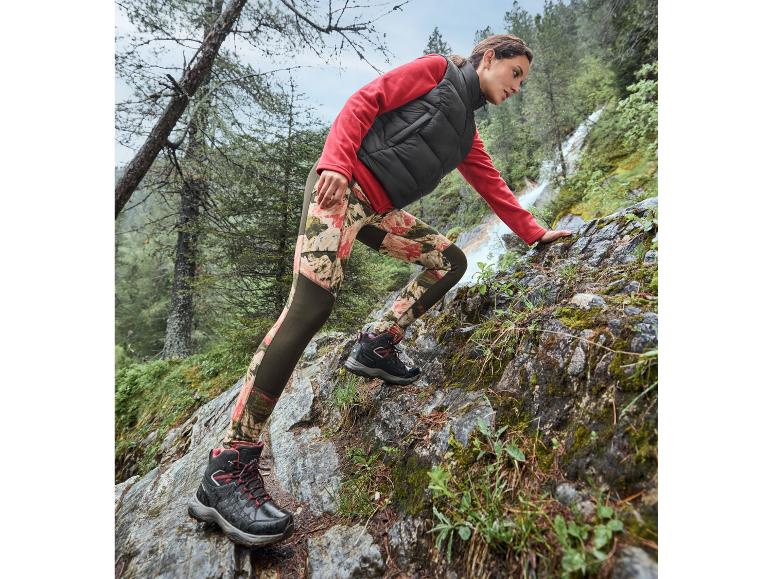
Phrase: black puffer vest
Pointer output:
(410, 149)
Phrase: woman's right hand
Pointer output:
(330, 188)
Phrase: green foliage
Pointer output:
(593, 86)
(643, 373)
(161, 394)
(490, 491)
(366, 486)
(623, 34)
(345, 393)
(638, 113)
(619, 163)
(143, 276)
(586, 545)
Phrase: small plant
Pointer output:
(346, 392)
(568, 272)
(366, 486)
(483, 278)
(644, 371)
(586, 545)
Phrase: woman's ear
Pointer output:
(488, 57)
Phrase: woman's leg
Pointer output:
(401, 235)
(324, 243)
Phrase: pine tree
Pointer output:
(436, 44)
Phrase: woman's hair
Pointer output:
(503, 45)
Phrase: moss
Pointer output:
(453, 233)
(641, 524)
(644, 440)
(579, 319)
(579, 441)
(646, 275)
(652, 286)
(162, 394)
(411, 479)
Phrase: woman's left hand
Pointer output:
(553, 235)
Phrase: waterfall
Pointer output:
(484, 243)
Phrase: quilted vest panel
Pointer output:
(410, 149)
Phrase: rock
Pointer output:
(343, 552)
(632, 288)
(599, 251)
(310, 351)
(154, 535)
(650, 257)
(391, 423)
(615, 286)
(464, 412)
(634, 563)
(580, 244)
(587, 510)
(307, 466)
(567, 494)
(608, 232)
(576, 365)
(514, 243)
(405, 543)
(646, 333)
(632, 310)
(588, 301)
(306, 463)
(571, 222)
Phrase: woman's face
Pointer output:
(500, 78)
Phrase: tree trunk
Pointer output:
(557, 132)
(191, 80)
(179, 325)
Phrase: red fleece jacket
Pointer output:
(388, 92)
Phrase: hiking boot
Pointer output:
(377, 356)
(232, 495)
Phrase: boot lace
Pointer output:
(249, 479)
(391, 351)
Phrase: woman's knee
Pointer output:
(457, 261)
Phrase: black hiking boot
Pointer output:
(232, 495)
(377, 356)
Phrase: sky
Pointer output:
(327, 87)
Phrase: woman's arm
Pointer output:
(478, 169)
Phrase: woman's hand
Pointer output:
(553, 235)
(330, 188)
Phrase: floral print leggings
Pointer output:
(324, 243)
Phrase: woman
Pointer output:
(392, 143)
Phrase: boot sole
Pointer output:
(201, 512)
(360, 369)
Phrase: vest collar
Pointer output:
(476, 95)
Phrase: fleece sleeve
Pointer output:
(478, 169)
(387, 92)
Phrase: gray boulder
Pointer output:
(588, 301)
(634, 563)
(343, 552)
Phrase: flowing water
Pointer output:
(484, 243)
